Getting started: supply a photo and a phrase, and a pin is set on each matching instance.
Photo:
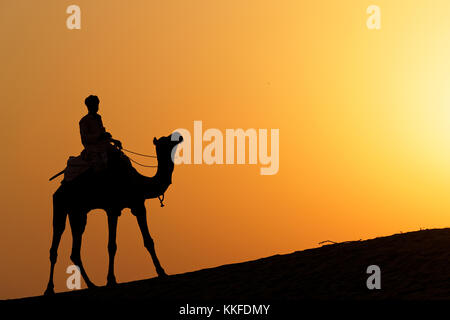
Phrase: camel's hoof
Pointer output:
(91, 285)
(49, 292)
(111, 283)
(162, 274)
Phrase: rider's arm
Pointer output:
(117, 143)
(107, 135)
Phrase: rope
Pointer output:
(142, 155)
(161, 199)
(139, 154)
(142, 165)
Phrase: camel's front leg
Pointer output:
(112, 245)
(141, 217)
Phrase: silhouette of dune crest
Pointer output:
(414, 265)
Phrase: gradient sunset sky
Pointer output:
(364, 120)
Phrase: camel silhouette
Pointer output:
(117, 188)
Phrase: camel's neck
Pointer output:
(155, 186)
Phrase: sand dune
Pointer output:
(414, 266)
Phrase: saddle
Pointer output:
(76, 165)
(115, 162)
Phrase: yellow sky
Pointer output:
(363, 118)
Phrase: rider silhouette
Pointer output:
(94, 137)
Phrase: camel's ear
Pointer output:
(154, 140)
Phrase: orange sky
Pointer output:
(363, 117)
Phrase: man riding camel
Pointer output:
(99, 152)
(95, 139)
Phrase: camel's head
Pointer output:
(166, 146)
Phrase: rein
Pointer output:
(161, 197)
(142, 165)
(139, 154)
(142, 155)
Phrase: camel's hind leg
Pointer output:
(112, 245)
(77, 221)
(59, 224)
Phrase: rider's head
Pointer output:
(92, 103)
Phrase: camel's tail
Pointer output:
(57, 175)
